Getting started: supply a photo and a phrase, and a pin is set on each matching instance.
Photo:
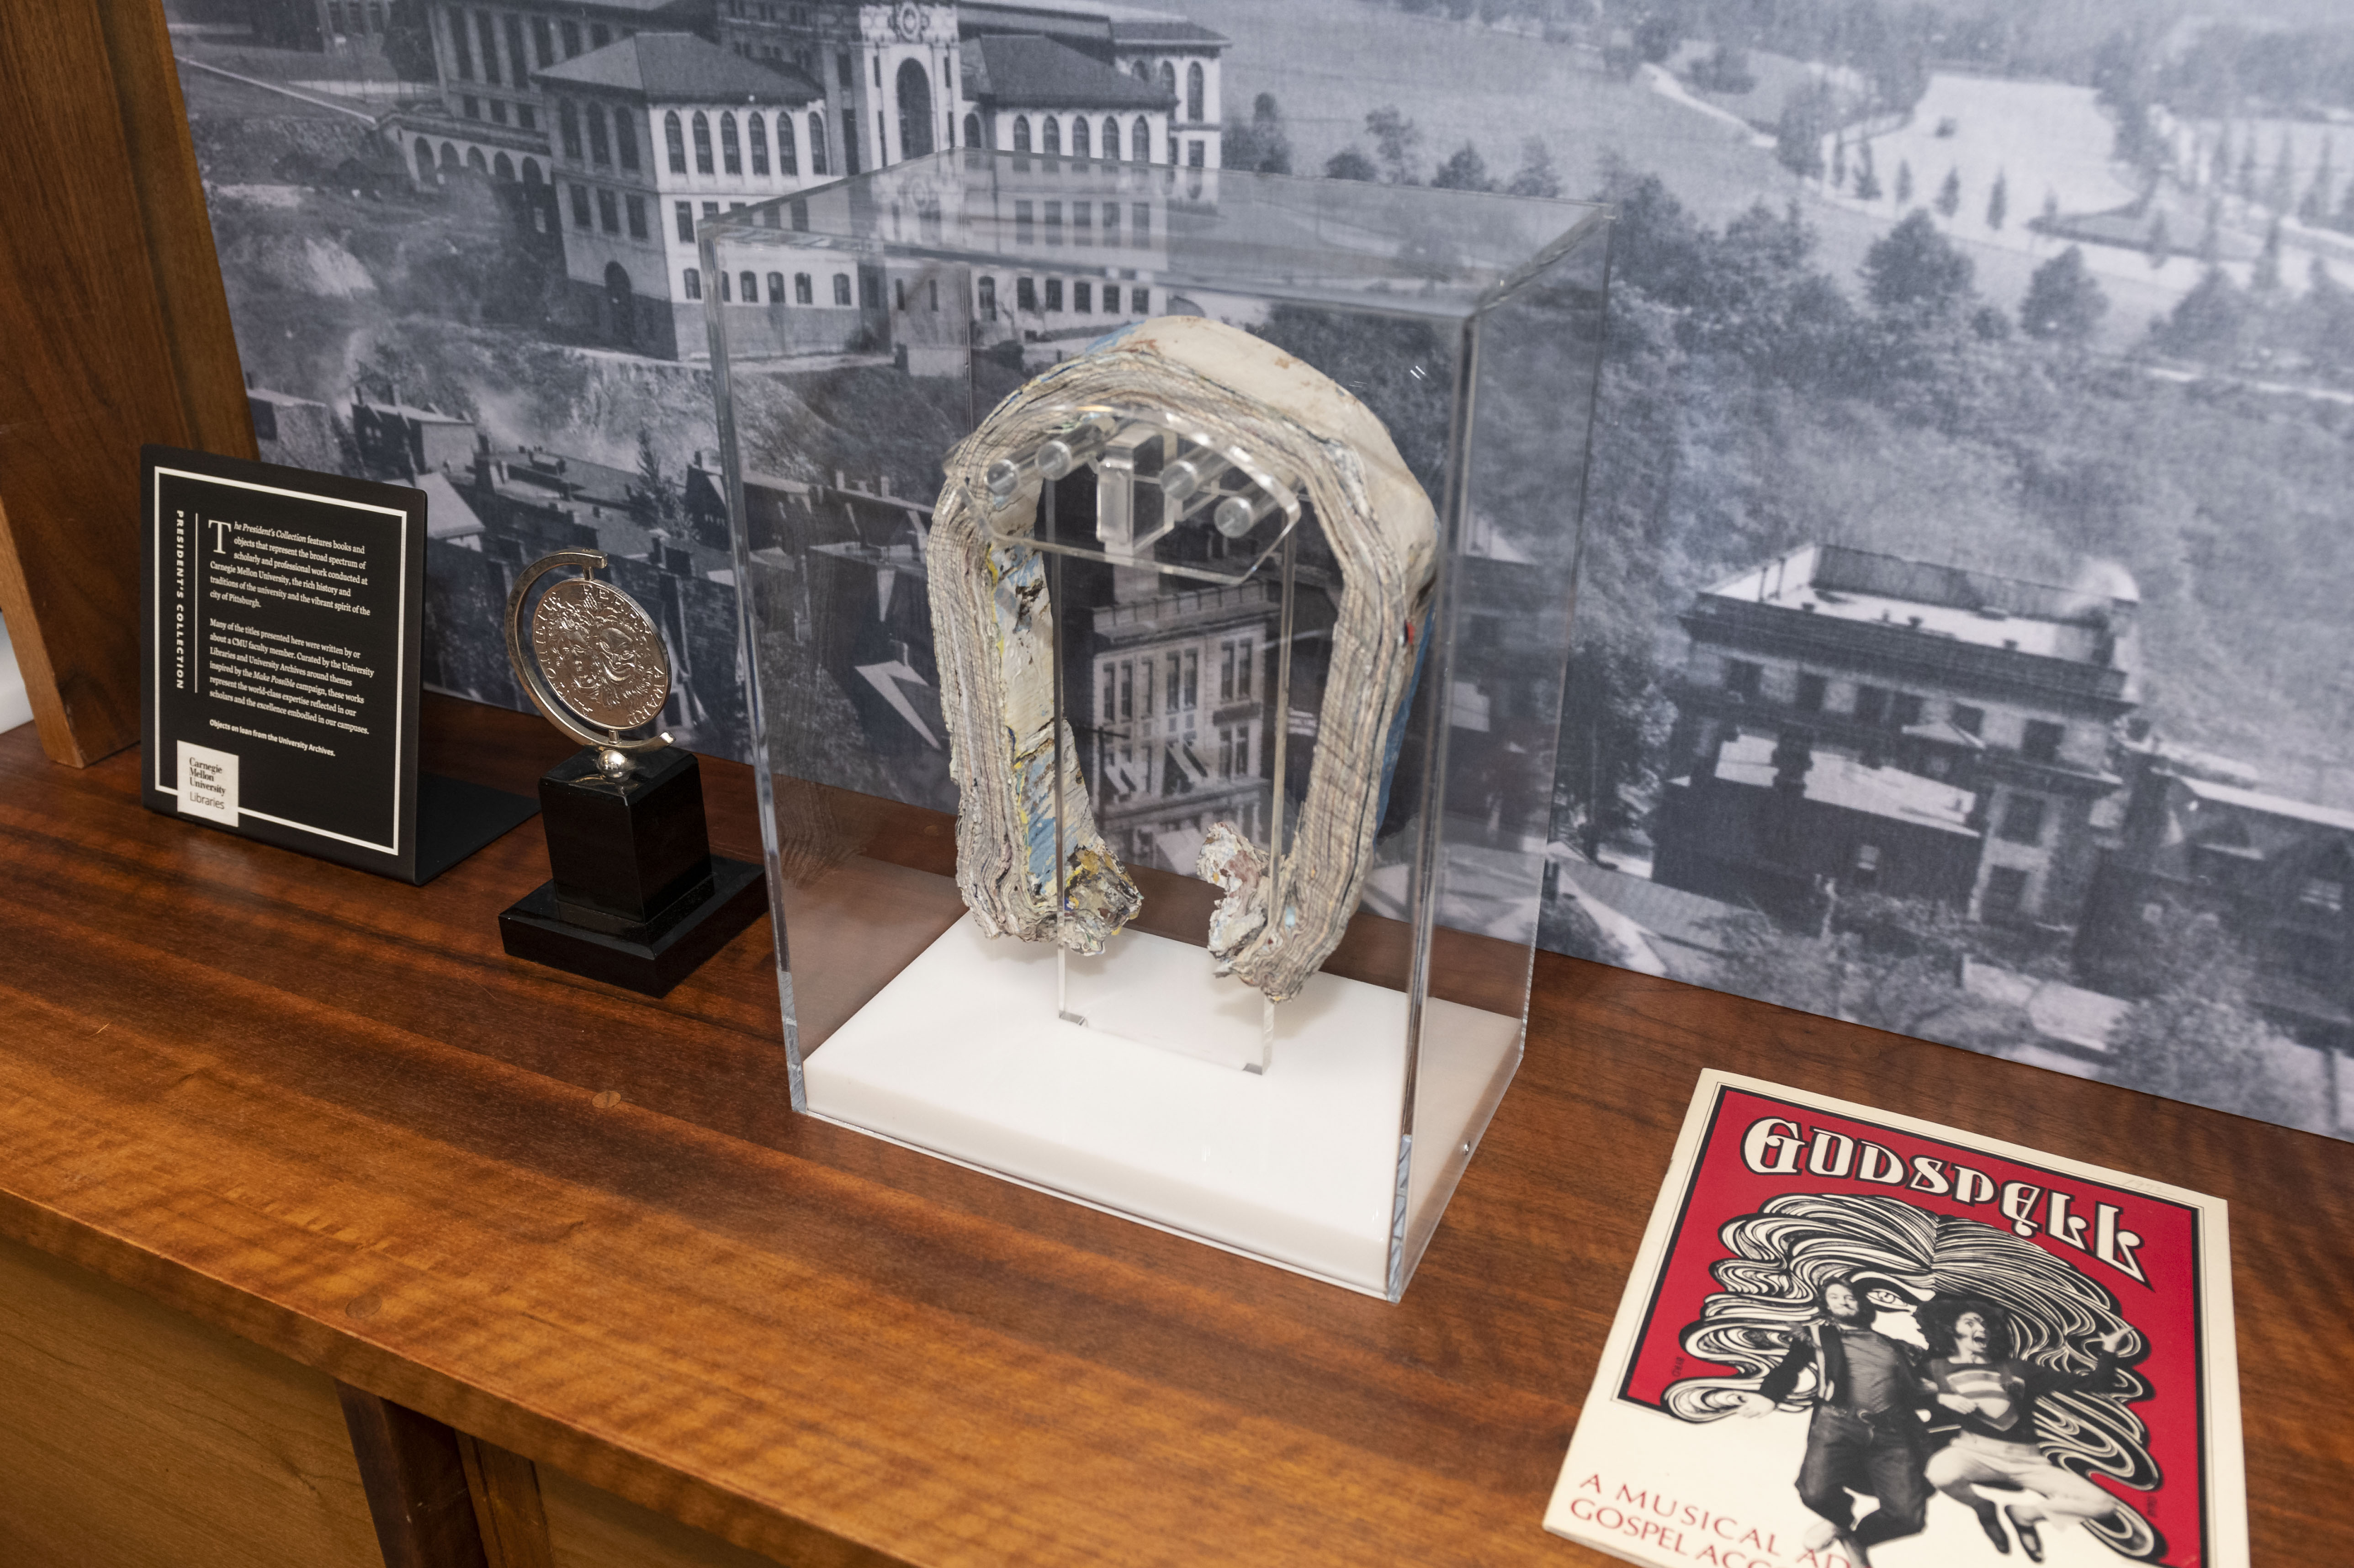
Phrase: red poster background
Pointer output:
(2166, 1310)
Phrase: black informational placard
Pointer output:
(283, 609)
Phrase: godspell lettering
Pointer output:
(1774, 1146)
(1686, 1528)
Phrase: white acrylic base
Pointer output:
(962, 1055)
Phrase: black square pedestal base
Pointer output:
(530, 929)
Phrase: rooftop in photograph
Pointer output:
(1843, 781)
(2270, 805)
(1137, 29)
(1131, 25)
(1021, 70)
(684, 68)
(2078, 624)
(406, 411)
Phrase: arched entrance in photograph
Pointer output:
(915, 110)
(620, 314)
(424, 162)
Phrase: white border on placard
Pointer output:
(400, 645)
(2225, 1496)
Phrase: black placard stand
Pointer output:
(282, 614)
(638, 899)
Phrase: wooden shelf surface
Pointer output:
(323, 1111)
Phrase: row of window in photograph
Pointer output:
(2039, 739)
(744, 288)
(1028, 224)
(619, 147)
(1083, 141)
(523, 116)
(1127, 679)
(1126, 769)
(544, 37)
(347, 17)
(501, 167)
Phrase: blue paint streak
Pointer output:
(1396, 742)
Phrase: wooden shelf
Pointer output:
(323, 1112)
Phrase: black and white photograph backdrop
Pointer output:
(1961, 643)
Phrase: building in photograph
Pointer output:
(653, 133)
(842, 564)
(321, 26)
(1173, 729)
(2277, 874)
(1769, 823)
(397, 441)
(614, 126)
(1075, 252)
(297, 431)
(1863, 689)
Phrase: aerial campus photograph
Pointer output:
(1957, 648)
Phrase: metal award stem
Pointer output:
(1062, 873)
(1275, 800)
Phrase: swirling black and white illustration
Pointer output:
(1901, 1258)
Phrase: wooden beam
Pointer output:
(118, 333)
(416, 1484)
(507, 1505)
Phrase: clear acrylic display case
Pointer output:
(861, 329)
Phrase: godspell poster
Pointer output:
(1852, 1340)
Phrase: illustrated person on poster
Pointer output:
(1866, 1434)
(1815, 1276)
(1994, 1395)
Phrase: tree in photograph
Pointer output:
(1396, 140)
(2063, 304)
(1726, 71)
(1349, 163)
(1949, 194)
(2246, 183)
(1867, 178)
(1839, 160)
(1999, 200)
(1614, 721)
(1798, 135)
(1656, 35)
(2264, 278)
(2218, 167)
(2050, 218)
(2206, 324)
(2327, 312)
(1903, 183)
(1260, 144)
(1536, 176)
(654, 500)
(2195, 1036)
(2344, 220)
(2280, 188)
(2210, 235)
(2313, 210)
(1465, 170)
(1888, 963)
(1913, 271)
(409, 40)
(2159, 243)
(2125, 73)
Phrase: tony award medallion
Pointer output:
(592, 659)
(638, 899)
